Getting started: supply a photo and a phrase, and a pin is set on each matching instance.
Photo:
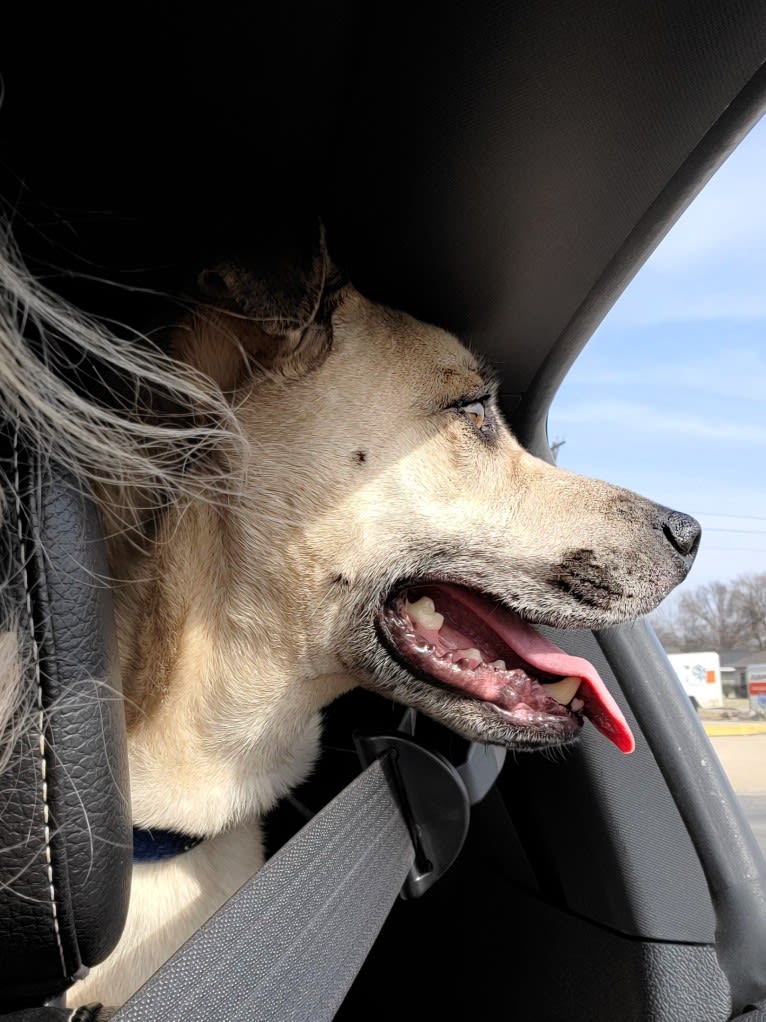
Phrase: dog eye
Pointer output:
(476, 412)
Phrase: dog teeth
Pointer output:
(468, 659)
(424, 613)
(577, 705)
(498, 664)
(563, 691)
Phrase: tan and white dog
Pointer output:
(388, 532)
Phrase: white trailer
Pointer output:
(700, 675)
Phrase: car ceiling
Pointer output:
(499, 168)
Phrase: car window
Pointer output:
(667, 399)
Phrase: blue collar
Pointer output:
(155, 844)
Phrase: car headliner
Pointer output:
(499, 168)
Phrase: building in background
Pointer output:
(734, 665)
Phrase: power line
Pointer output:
(749, 532)
(721, 514)
(737, 549)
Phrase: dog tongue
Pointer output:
(600, 708)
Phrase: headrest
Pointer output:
(65, 834)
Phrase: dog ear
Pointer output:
(269, 314)
(277, 309)
(282, 290)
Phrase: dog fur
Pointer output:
(373, 454)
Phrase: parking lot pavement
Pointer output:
(743, 757)
(734, 718)
(755, 811)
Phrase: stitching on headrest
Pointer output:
(40, 704)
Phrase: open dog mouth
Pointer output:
(467, 643)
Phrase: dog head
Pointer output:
(406, 538)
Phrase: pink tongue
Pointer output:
(600, 708)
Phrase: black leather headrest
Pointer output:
(65, 837)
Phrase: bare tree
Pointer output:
(664, 622)
(709, 615)
(750, 602)
(715, 616)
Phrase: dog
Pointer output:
(384, 529)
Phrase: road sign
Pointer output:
(756, 687)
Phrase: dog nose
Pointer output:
(682, 532)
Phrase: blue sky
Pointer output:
(669, 396)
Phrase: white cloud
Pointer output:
(733, 372)
(648, 303)
(648, 419)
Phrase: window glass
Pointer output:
(669, 399)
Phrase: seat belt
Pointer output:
(288, 945)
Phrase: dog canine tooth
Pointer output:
(563, 691)
(424, 613)
(577, 705)
(498, 664)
